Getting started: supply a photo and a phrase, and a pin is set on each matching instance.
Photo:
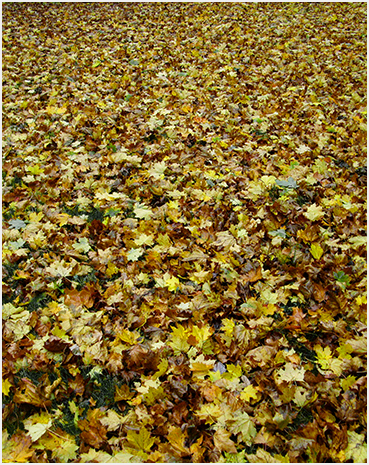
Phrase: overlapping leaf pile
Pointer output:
(184, 232)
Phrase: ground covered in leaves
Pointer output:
(184, 242)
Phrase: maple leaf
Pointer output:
(6, 385)
(37, 425)
(303, 149)
(65, 451)
(112, 420)
(94, 456)
(200, 366)
(225, 239)
(172, 283)
(134, 254)
(314, 212)
(301, 397)
(223, 442)
(177, 440)
(327, 361)
(290, 373)
(132, 204)
(17, 448)
(244, 426)
(145, 239)
(59, 269)
(141, 211)
(82, 245)
(157, 170)
(316, 250)
(248, 393)
(209, 412)
(17, 224)
(358, 241)
(357, 448)
(142, 441)
(179, 339)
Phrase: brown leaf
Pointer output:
(55, 344)
(79, 298)
(28, 393)
(253, 275)
(93, 431)
(223, 442)
(320, 292)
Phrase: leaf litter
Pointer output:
(184, 236)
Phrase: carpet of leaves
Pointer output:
(184, 239)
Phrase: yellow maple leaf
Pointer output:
(249, 393)
(177, 438)
(346, 383)
(66, 449)
(291, 373)
(172, 283)
(157, 170)
(200, 366)
(243, 425)
(142, 211)
(35, 169)
(316, 250)
(357, 448)
(6, 385)
(179, 340)
(201, 334)
(37, 425)
(142, 441)
(324, 355)
(357, 241)
(314, 212)
(111, 269)
(144, 239)
(59, 269)
(112, 420)
(209, 412)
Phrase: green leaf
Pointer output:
(279, 233)
(17, 224)
(289, 184)
(341, 277)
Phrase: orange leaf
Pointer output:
(253, 275)
(83, 298)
